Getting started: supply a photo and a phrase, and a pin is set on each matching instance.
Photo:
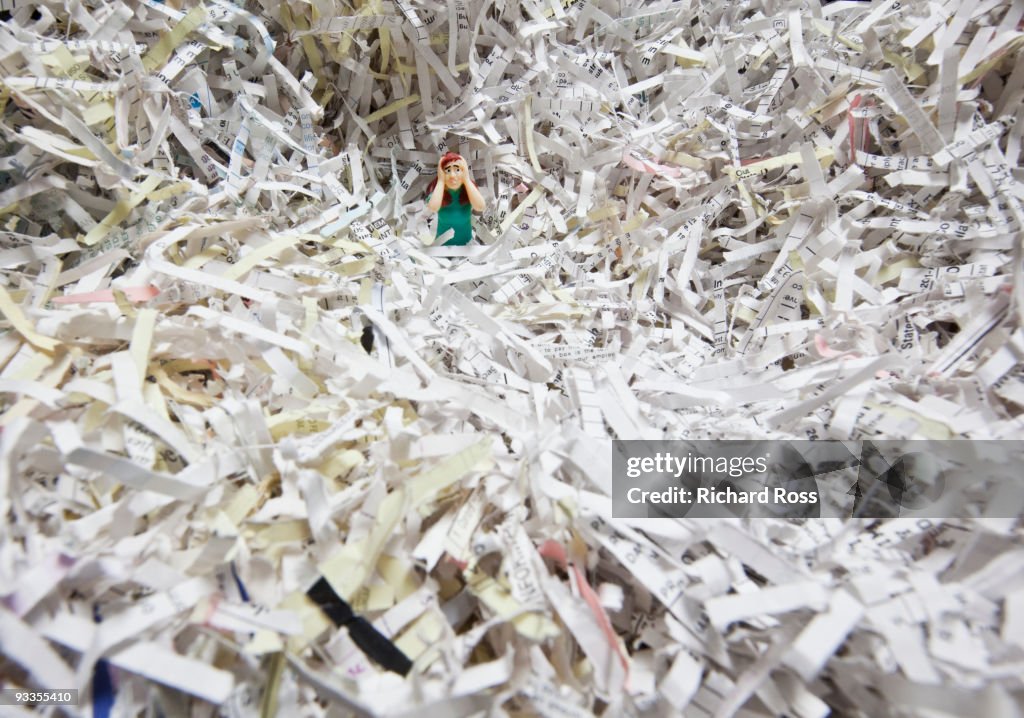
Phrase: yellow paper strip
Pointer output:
(268, 250)
(168, 42)
(142, 340)
(390, 109)
(121, 210)
(21, 324)
(790, 158)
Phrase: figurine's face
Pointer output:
(453, 176)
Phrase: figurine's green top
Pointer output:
(457, 216)
(455, 206)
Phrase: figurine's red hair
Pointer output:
(449, 158)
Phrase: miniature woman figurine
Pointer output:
(454, 196)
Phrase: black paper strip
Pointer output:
(370, 641)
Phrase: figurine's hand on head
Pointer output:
(440, 171)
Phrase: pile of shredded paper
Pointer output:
(234, 367)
